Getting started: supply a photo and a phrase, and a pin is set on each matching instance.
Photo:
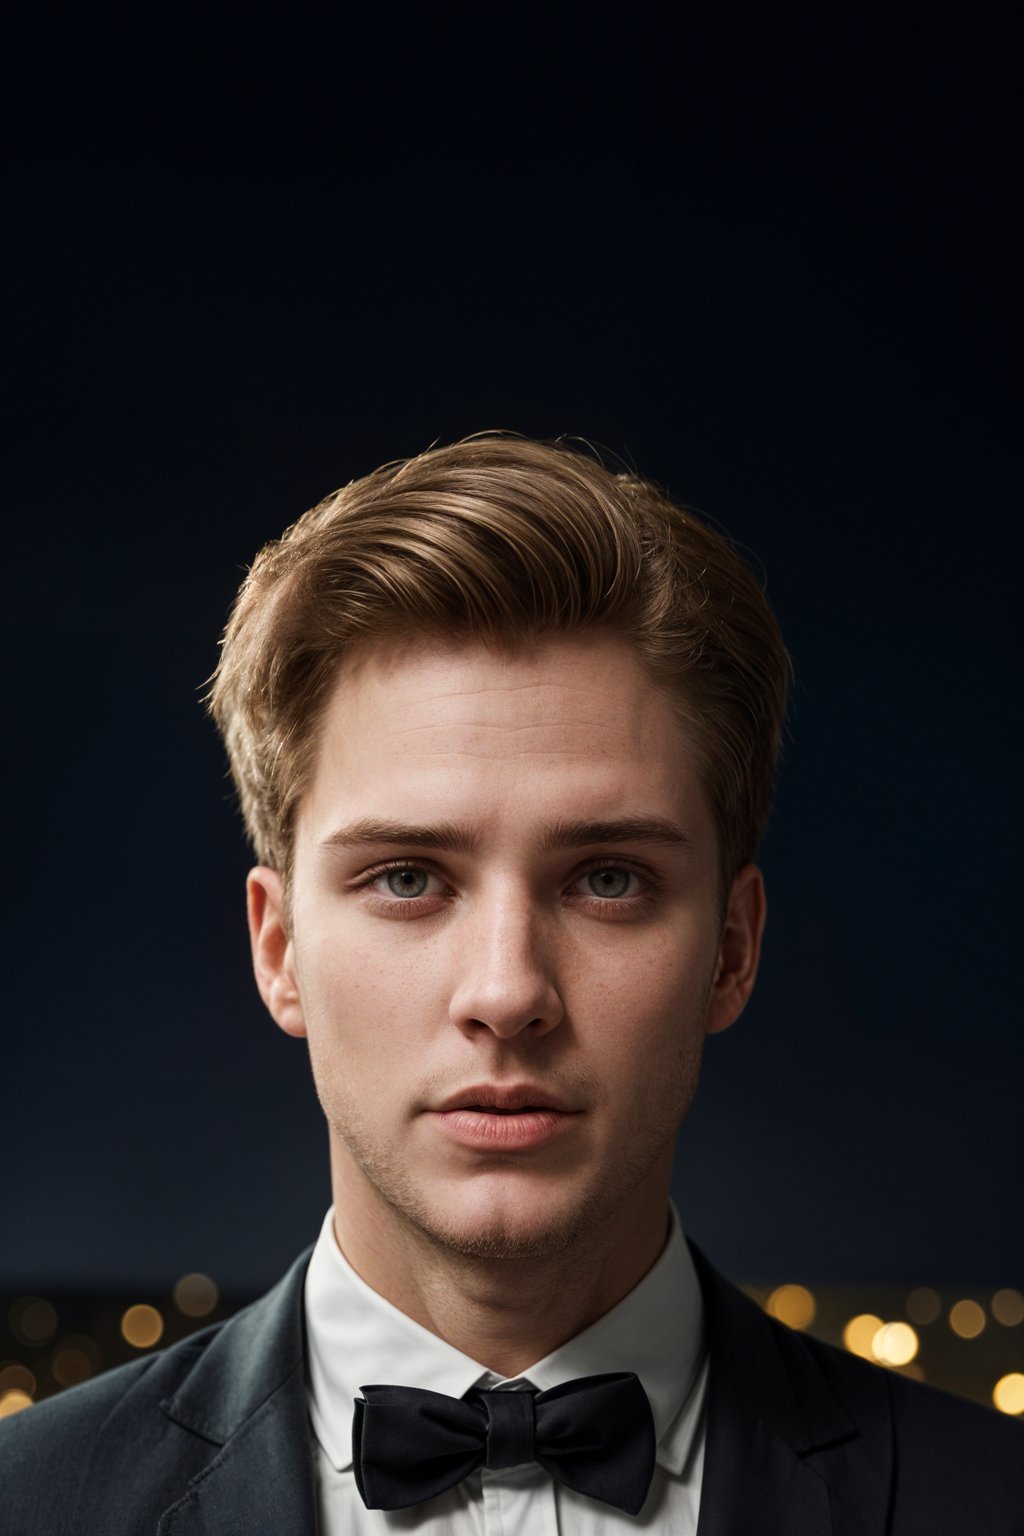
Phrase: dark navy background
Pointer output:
(257, 250)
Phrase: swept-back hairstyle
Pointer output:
(500, 539)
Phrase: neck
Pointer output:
(506, 1312)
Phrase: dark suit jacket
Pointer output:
(211, 1438)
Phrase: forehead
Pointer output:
(430, 728)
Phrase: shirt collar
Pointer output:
(358, 1339)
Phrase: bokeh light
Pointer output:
(195, 1295)
(1008, 1307)
(792, 1305)
(1008, 1393)
(71, 1366)
(142, 1326)
(966, 1319)
(859, 1333)
(923, 1305)
(894, 1344)
(17, 1378)
(14, 1401)
(33, 1320)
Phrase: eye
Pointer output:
(406, 881)
(402, 888)
(610, 882)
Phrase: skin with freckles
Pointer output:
(505, 897)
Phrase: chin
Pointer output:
(495, 1221)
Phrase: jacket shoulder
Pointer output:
(111, 1457)
(958, 1465)
(922, 1461)
(66, 1431)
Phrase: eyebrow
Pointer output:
(629, 829)
(370, 830)
(452, 838)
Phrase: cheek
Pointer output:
(644, 984)
(647, 1017)
(366, 1013)
(345, 979)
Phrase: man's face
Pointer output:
(506, 942)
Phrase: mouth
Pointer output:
(493, 1119)
(492, 1109)
(492, 1099)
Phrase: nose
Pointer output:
(504, 980)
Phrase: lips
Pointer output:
(493, 1098)
(493, 1119)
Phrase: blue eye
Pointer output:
(609, 882)
(407, 882)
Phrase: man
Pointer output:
(504, 728)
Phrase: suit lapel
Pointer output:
(261, 1482)
(798, 1439)
(754, 1482)
(247, 1395)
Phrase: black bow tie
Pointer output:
(595, 1435)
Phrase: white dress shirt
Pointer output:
(356, 1338)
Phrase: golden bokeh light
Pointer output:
(859, 1332)
(14, 1401)
(966, 1319)
(792, 1305)
(894, 1344)
(1008, 1393)
(923, 1305)
(71, 1366)
(17, 1378)
(142, 1326)
(33, 1320)
(1008, 1307)
(196, 1295)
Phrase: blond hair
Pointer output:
(500, 538)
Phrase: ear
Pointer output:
(273, 955)
(739, 949)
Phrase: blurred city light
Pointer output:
(1008, 1393)
(966, 1319)
(894, 1344)
(1008, 1307)
(792, 1305)
(923, 1305)
(142, 1326)
(17, 1378)
(33, 1320)
(195, 1295)
(71, 1366)
(859, 1334)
